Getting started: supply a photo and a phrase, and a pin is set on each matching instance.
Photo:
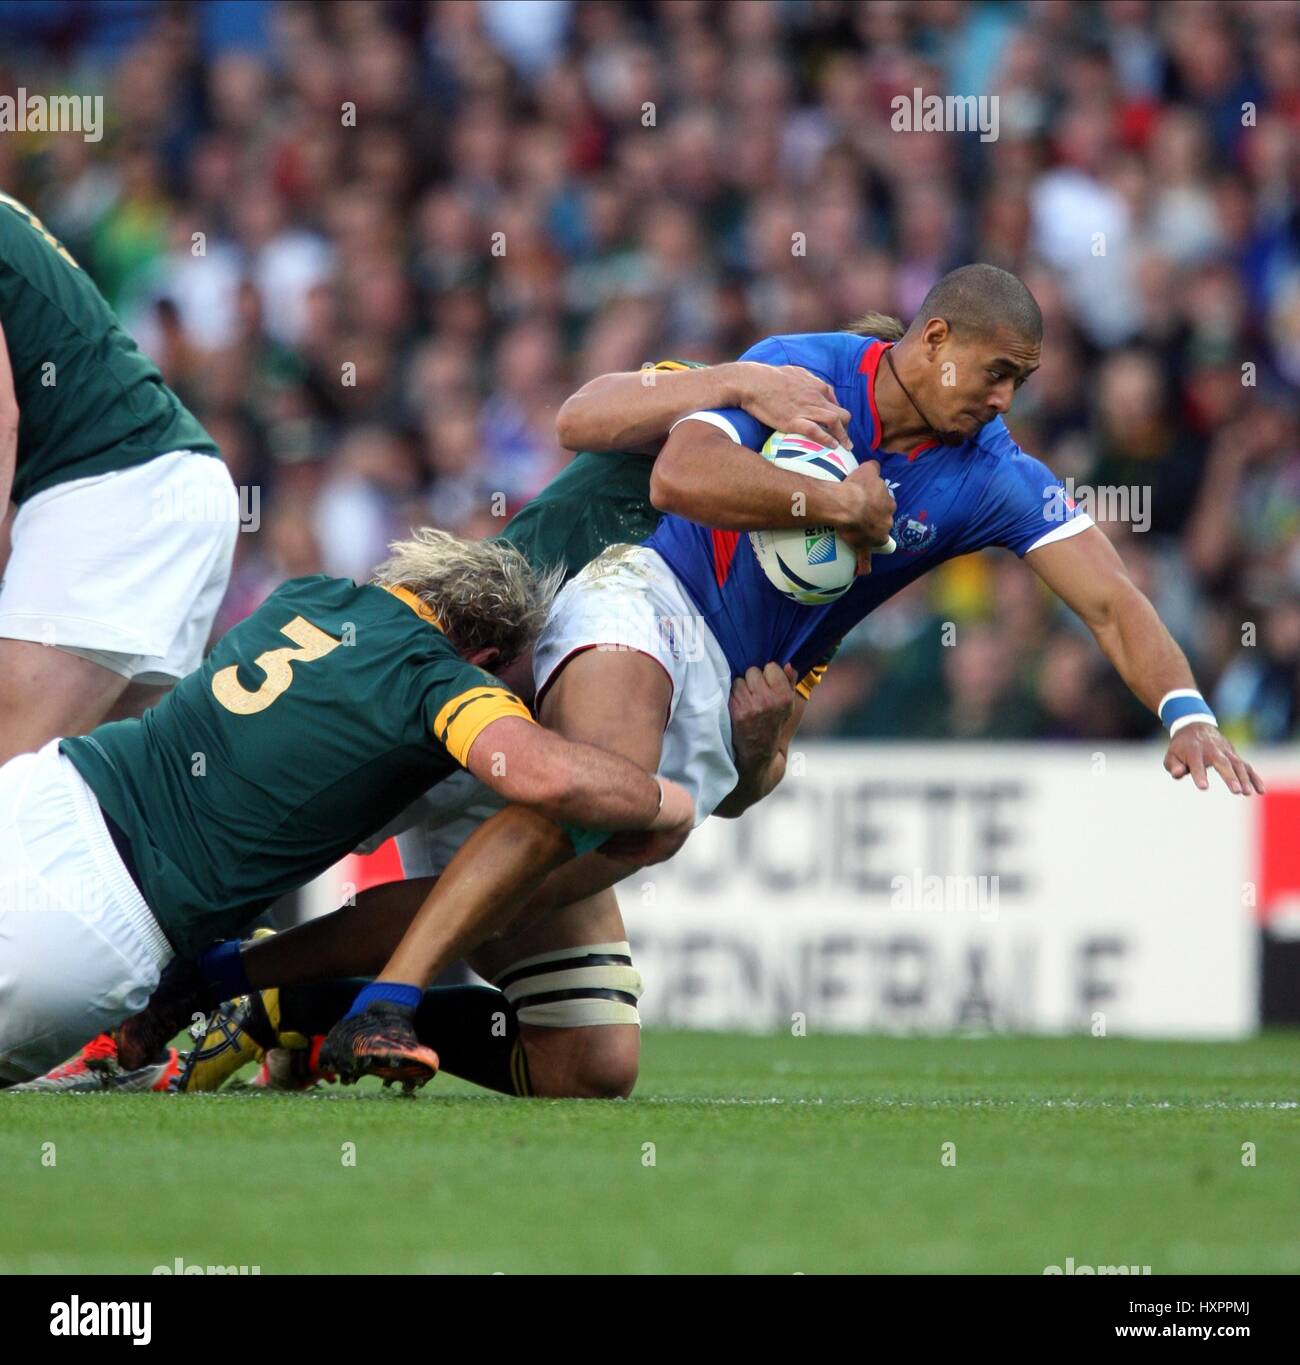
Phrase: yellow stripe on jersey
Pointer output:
(464, 717)
(810, 680)
(670, 365)
(421, 609)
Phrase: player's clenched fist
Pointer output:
(761, 704)
(868, 515)
(1197, 748)
(791, 399)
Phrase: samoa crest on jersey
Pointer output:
(914, 534)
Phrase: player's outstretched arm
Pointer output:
(634, 410)
(1087, 574)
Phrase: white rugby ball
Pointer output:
(809, 564)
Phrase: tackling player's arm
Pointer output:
(547, 779)
(575, 783)
(635, 410)
(8, 426)
(705, 469)
(1087, 574)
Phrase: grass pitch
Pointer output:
(738, 1155)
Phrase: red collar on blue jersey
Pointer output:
(870, 364)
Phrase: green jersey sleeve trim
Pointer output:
(468, 714)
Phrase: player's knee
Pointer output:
(596, 1063)
(47, 694)
(577, 1009)
(608, 1071)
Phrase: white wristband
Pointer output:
(1201, 718)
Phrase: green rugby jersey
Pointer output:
(89, 400)
(600, 498)
(310, 726)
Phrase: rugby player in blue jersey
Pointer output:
(930, 409)
(925, 419)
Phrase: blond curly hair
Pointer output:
(484, 593)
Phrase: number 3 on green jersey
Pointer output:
(312, 643)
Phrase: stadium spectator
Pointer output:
(374, 245)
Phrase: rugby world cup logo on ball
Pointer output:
(809, 564)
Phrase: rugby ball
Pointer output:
(809, 564)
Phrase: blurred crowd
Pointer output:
(375, 245)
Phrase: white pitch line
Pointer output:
(862, 1102)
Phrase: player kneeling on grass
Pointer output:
(309, 726)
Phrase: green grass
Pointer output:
(817, 1154)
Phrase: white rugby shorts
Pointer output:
(126, 569)
(628, 598)
(80, 951)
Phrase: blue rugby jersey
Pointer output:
(951, 500)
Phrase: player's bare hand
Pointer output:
(868, 515)
(671, 828)
(791, 399)
(761, 704)
(1197, 748)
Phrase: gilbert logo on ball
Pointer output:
(809, 564)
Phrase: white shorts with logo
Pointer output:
(126, 569)
(80, 951)
(627, 598)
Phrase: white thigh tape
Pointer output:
(595, 983)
